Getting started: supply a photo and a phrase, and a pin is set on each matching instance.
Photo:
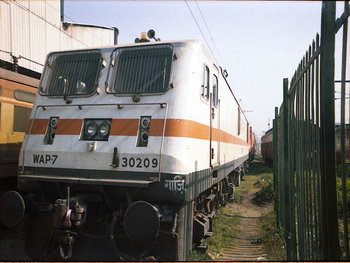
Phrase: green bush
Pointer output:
(269, 191)
(265, 196)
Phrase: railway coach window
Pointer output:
(72, 73)
(21, 117)
(24, 96)
(137, 70)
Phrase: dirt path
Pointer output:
(246, 247)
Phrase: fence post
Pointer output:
(275, 167)
(289, 235)
(343, 152)
(329, 240)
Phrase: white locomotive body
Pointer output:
(152, 128)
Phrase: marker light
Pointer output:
(51, 130)
(54, 122)
(145, 122)
(143, 134)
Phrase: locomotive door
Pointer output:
(214, 123)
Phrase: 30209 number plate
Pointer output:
(140, 162)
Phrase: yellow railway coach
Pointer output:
(17, 94)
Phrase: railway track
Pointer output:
(246, 246)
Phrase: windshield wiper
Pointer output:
(65, 89)
(152, 80)
(160, 73)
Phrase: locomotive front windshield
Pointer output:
(72, 73)
(144, 69)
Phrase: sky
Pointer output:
(258, 43)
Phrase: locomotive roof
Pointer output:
(173, 42)
(193, 41)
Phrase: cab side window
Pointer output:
(239, 121)
(205, 86)
(215, 91)
(248, 133)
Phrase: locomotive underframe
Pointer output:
(102, 210)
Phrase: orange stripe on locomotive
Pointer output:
(129, 127)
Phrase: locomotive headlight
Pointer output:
(96, 129)
(91, 129)
(103, 130)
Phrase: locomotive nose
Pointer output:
(142, 222)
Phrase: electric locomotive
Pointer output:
(135, 144)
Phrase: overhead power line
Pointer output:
(200, 29)
(223, 64)
(212, 39)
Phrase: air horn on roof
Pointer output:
(145, 37)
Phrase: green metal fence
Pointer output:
(308, 175)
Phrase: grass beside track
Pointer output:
(271, 238)
(225, 230)
(226, 222)
(260, 178)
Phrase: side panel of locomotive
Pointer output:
(149, 132)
